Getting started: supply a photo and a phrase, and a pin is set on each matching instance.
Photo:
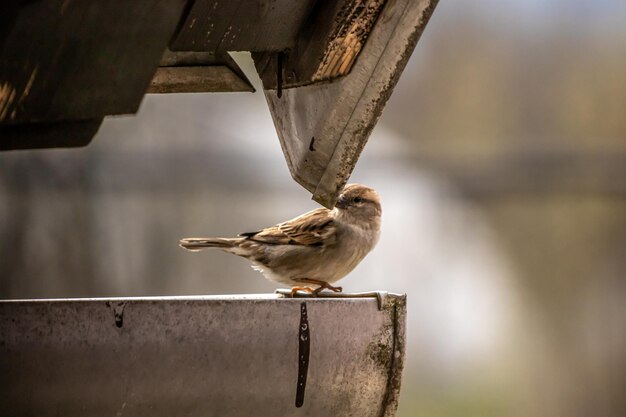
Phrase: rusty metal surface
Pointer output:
(201, 356)
(324, 126)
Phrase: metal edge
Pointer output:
(392, 392)
(217, 297)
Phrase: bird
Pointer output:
(315, 249)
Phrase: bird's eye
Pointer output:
(358, 200)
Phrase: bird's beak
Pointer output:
(341, 202)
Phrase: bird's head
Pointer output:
(359, 202)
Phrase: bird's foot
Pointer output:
(294, 290)
(322, 285)
(327, 286)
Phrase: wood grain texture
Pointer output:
(197, 79)
(70, 60)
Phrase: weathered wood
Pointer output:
(324, 126)
(327, 46)
(71, 60)
(357, 18)
(218, 78)
(327, 67)
(242, 25)
(195, 72)
(48, 135)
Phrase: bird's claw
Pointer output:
(327, 286)
(379, 295)
(322, 285)
(294, 291)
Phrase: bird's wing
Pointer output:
(310, 229)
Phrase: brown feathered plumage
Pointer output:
(317, 248)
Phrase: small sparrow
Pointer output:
(317, 248)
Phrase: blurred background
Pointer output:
(501, 162)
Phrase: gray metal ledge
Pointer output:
(227, 356)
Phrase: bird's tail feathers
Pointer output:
(196, 244)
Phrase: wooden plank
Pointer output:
(324, 126)
(198, 79)
(327, 45)
(71, 60)
(242, 25)
(195, 72)
(207, 23)
(48, 135)
(346, 40)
